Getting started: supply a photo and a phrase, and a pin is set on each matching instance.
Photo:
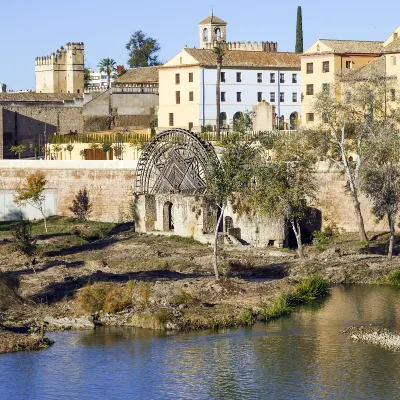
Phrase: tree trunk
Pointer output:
(218, 99)
(215, 259)
(44, 219)
(391, 241)
(297, 233)
(108, 81)
(354, 195)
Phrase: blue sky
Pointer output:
(36, 28)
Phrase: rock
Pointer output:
(67, 323)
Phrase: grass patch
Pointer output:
(392, 278)
(182, 298)
(308, 290)
(186, 240)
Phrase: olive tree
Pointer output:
(229, 175)
(351, 110)
(380, 175)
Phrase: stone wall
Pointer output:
(25, 125)
(110, 183)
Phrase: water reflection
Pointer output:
(299, 357)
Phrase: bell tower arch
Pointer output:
(211, 29)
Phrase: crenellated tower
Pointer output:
(62, 71)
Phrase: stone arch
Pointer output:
(218, 33)
(174, 161)
(294, 120)
(205, 34)
(168, 216)
(223, 119)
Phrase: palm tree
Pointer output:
(107, 65)
(219, 52)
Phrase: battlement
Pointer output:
(271, 47)
(60, 55)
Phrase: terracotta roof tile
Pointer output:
(238, 58)
(43, 97)
(139, 75)
(392, 47)
(353, 46)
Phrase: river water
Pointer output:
(303, 356)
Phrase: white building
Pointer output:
(98, 80)
(250, 73)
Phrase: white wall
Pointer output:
(249, 87)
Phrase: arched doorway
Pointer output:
(223, 119)
(294, 120)
(228, 223)
(205, 34)
(218, 33)
(168, 216)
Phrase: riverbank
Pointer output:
(374, 335)
(107, 274)
(12, 342)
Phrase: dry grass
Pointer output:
(11, 342)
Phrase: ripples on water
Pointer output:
(300, 357)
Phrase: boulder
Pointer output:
(64, 324)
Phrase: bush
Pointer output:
(24, 239)
(164, 315)
(91, 298)
(330, 232)
(117, 300)
(393, 278)
(311, 289)
(182, 298)
(8, 291)
(281, 306)
(81, 206)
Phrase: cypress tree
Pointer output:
(299, 31)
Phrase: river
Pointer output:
(304, 356)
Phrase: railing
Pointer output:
(115, 137)
(129, 89)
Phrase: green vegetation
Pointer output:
(308, 290)
(81, 205)
(107, 65)
(99, 138)
(142, 50)
(393, 278)
(299, 31)
(182, 298)
(24, 240)
(185, 240)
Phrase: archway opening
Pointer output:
(168, 217)
(223, 119)
(228, 223)
(294, 120)
(205, 34)
(218, 33)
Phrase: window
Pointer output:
(272, 97)
(190, 96)
(171, 119)
(238, 97)
(325, 66)
(222, 76)
(393, 94)
(310, 68)
(282, 97)
(180, 60)
(190, 126)
(310, 117)
(326, 87)
(348, 64)
(178, 97)
(259, 96)
(177, 79)
(394, 60)
(282, 78)
(272, 78)
(395, 36)
(259, 77)
(223, 96)
(238, 77)
(310, 90)
(294, 78)
(294, 97)
(190, 76)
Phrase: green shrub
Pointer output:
(247, 317)
(393, 278)
(281, 306)
(311, 289)
(24, 240)
(320, 238)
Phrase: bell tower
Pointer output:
(211, 29)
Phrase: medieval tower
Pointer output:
(212, 30)
(62, 71)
